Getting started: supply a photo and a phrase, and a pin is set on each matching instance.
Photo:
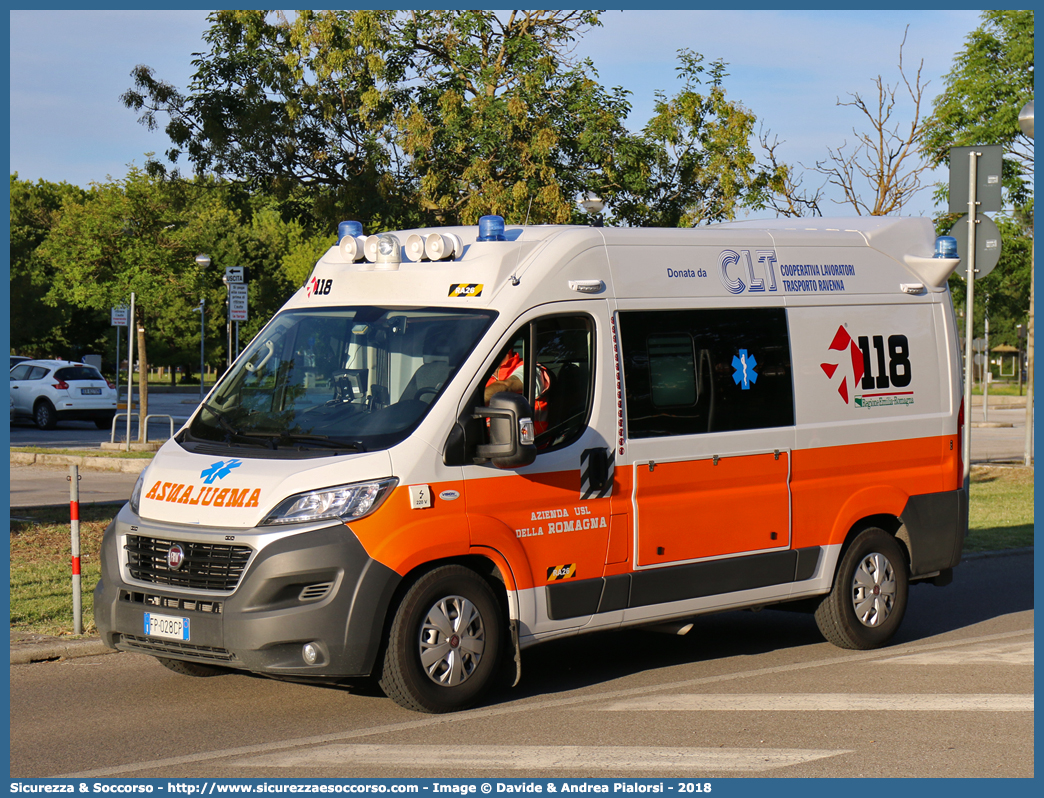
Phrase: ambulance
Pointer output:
(453, 444)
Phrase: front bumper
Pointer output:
(318, 586)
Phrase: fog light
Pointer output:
(310, 653)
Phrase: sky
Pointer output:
(68, 69)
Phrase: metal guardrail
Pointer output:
(158, 415)
(112, 435)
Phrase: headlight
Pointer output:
(344, 503)
(135, 498)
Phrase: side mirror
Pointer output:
(511, 432)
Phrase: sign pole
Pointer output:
(969, 315)
(118, 363)
(74, 532)
(132, 328)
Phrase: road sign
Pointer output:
(987, 178)
(237, 301)
(120, 317)
(235, 274)
(987, 245)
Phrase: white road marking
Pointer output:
(558, 702)
(542, 758)
(825, 702)
(1020, 653)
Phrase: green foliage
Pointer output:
(37, 329)
(990, 82)
(1004, 292)
(438, 117)
(501, 121)
(693, 163)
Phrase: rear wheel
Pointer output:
(445, 642)
(191, 668)
(44, 415)
(868, 600)
(104, 423)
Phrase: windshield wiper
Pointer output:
(230, 430)
(324, 441)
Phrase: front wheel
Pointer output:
(445, 642)
(868, 600)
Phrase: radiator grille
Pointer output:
(206, 566)
(171, 602)
(151, 645)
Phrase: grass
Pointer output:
(1001, 517)
(41, 570)
(82, 452)
(1001, 511)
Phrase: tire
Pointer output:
(445, 642)
(44, 415)
(104, 423)
(191, 668)
(866, 605)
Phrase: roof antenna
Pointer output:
(514, 277)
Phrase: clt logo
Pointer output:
(895, 373)
(742, 265)
(317, 287)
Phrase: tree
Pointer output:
(139, 234)
(502, 120)
(991, 80)
(693, 163)
(38, 329)
(886, 158)
(394, 119)
(277, 103)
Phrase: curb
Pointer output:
(49, 649)
(124, 465)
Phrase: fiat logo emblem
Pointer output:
(175, 557)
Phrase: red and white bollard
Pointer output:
(74, 516)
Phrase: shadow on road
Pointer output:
(982, 589)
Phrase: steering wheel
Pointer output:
(422, 391)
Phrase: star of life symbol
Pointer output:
(219, 470)
(744, 373)
(843, 343)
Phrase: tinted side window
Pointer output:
(20, 372)
(711, 370)
(38, 373)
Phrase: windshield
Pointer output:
(353, 378)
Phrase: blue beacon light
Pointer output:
(491, 228)
(946, 247)
(353, 229)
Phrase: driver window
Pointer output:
(557, 381)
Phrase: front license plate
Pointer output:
(167, 626)
(90, 391)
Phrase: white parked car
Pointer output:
(49, 391)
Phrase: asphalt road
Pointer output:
(742, 695)
(78, 434)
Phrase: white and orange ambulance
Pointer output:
(452, 444)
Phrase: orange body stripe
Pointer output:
(527, 524)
